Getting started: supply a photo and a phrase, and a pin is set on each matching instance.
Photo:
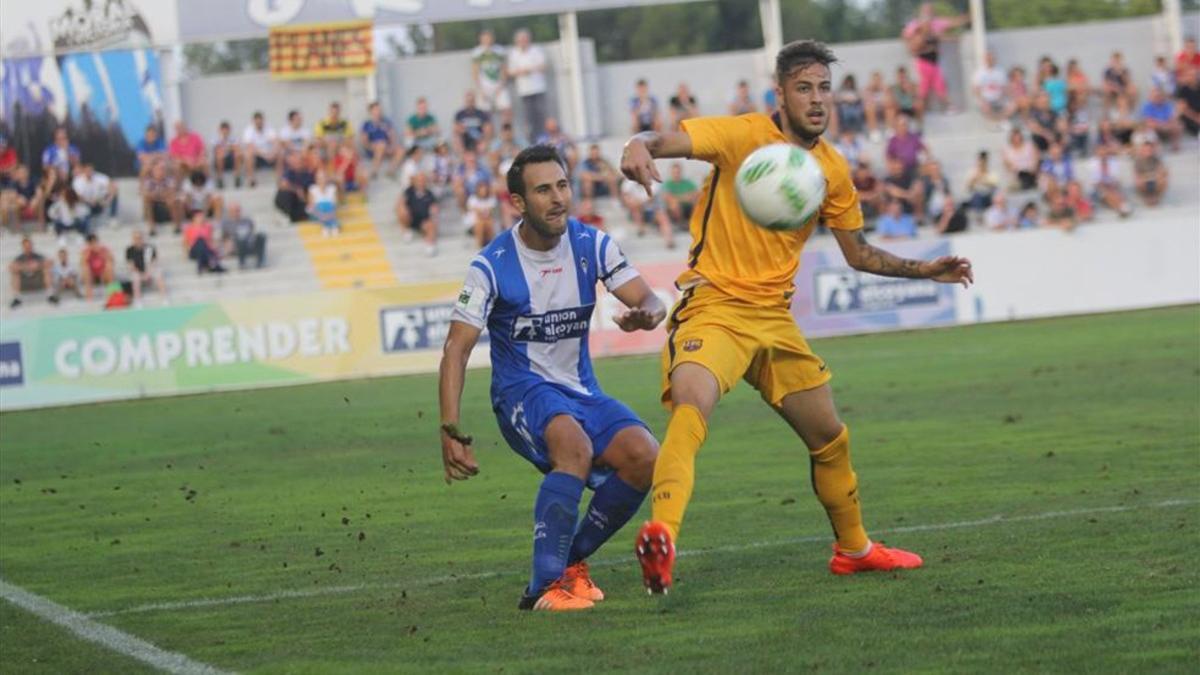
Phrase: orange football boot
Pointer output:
(656, 552)
(880, 559)
(579, 583)
(555, 598)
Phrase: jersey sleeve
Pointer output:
(841, 209)
(615, 269)
(722, 140)
(477, 296)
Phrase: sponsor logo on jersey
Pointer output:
(692, 345)
(12, 368)
(839, 291)
(550, 327)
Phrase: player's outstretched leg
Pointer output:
(655, 548)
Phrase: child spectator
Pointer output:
(141, 259)
(198, 244)
(29, 272)
(422, 127)
(682, 106)
(239, 237)
(895, 223)
(1149, 174)
(643, 109)
(597, 176)
(1021, 161)
(481, 215)
(21, 200)
(96, 261)
(225, 154)
(65, 277)
(417, 210)
(292, 194)
(322, 204)
(97, 191)
(379, 141)
(69, 214)
(260, 146)
(345, 170)
(680, 194)
(161, 200)
(150, 150)
(998, 217)
(186, 150)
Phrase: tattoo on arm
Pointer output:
(877, 261)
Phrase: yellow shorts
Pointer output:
(735, 339)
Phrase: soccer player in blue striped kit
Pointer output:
(534, 289)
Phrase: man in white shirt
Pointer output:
(527, 67)
(261, 148)
(491, 82)
(97, 191)
(294, 135)
(989, 84)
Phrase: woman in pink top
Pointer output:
(923, 35)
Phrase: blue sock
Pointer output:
(612, 506)
(554, 516)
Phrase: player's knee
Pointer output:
(573, 459)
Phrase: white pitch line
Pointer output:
(433, 581)
(105, 636)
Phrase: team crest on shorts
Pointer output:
(692, 345)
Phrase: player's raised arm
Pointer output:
(637, 160)
(645, 311)
(457, 457)
(864, 257)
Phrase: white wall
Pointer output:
(235, 97)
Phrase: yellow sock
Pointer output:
(675, 469)
(836, 486)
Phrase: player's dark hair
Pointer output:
(534, 154)
(801, 54)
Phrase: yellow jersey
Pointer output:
(728, 250)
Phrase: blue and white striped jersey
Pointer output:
(537, 306)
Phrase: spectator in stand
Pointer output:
(238, 237)
(875, 108)
(905, 146)
(1046, 127)
(850, 145)
(1056, 89)
(1018, 93)
(64, 277)
(322, 204)
(902, 98)
(61, 153)
(53, 182)
(1055, 171)
(141, 260)
(345, 170)
(587, 214)
(1079, 130)
(468, 177)
(645, 209)
(1187, 57)
(225, 154)
(982, 184)
(472, 125)
(29, 272)
(8, 162)
(199, 194)
(939, 201)
(260, 148)
(414, 163)
(1028, 217)
(199, 245)
(1187, 97)
(150, 150)
(480, 217)
(1149, 174)
(682, 106)
(597, 176)
(1106, 186)
(161, 200)
(331, 130)
(680, 195)
(849, 109)
(989, 88)
(870, 190)
(422, 127)
(1079, 89)
(1159, 113)
(491, 80)
(895, 223)
(68, 213)
(527, 67)
(923, 36)
(294, 136)
(1059, 213)
(442, 170)
(417, 210)
(97, 191)
(1107, 135)
(555, 136)
(743, 101)
(643, 109)
(21, 200)
(506, 144)
(902, 185)
(186, 150)
(1078, 201)
(1163, 76)
(96, 261)
(292, 197)
(1119, 89)
(379, 141)
(997, 216)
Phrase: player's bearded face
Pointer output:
(806, 99)
(547, 201)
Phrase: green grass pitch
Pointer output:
(1047, 471)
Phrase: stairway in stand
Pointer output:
(354, 259)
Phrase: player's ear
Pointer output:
(517, 201)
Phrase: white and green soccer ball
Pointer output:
(780, 186)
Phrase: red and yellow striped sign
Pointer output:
(322, 50)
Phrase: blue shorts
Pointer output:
(523, 422)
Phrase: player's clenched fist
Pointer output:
(457, 457)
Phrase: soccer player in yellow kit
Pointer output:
(734, 321)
